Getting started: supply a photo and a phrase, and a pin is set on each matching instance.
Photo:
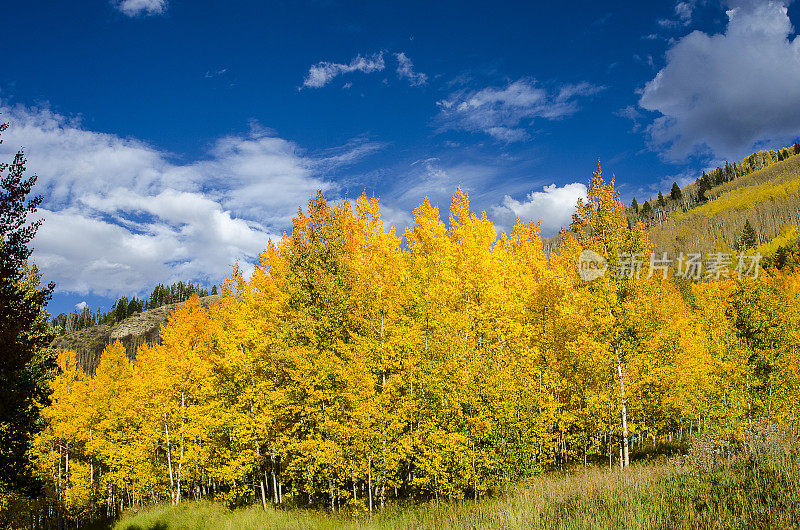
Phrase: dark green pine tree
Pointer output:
(25, 362)
(703, 186)
(661, 201)
(646, 209)
(121, 309)
(676, 194)
(749, 237)
(634, 207)
(214, 288)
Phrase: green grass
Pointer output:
(755, 485)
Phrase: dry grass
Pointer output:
(719, 484)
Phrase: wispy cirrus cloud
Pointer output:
(405, 70)
(505, 112)
(683, 14)
(324, 72)
(136, 8)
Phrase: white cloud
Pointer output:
(135, 8)
(437, 180)
(102, 247)
(504, 112)
(121, 216)
(684, 11)
(324, 72)
(71, 160)
(630, 112)
(728, 92)
(80, 306)
(405, 70)
(552, 207)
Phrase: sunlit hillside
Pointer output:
(768, 198)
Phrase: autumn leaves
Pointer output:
(353, 368)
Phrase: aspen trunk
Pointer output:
(369, 484)
(624, 413)
(263, 495)
(474, 475)
(180, 462)
(169, 461)
(274, 479)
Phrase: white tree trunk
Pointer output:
(624, 412)
(169, 461)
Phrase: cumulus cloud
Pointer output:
(125, 242)
(121, 215)
(80, 306)
(135, 8)
(405, 70)
(552, 207)
(730, 92)
(324, 72)
(504, 112)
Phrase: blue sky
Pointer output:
(173, 138)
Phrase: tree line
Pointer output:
(123, 307)
(355, 368)
(749, 212)
(697, 193)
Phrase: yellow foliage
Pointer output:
(353, 367)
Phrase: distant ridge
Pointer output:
(140, 328)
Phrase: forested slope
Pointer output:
(768, 198)
(136, 330)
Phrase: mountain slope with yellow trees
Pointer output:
(766, 199)
(355, 369)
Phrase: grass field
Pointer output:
(718, 485)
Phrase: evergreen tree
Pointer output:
(661, 201)
(676, 194)
(24, 330)
(646, 209)
(121, 309)
(214, 288)
(749, 237)
(703, 186)
(635, 205)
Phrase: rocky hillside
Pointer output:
(144, 327)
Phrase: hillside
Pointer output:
(768, 198)
(140, 328)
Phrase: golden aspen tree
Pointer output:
(117, 425)
(725, 403)
(174, 373)
(352, 368)
(600, 226)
